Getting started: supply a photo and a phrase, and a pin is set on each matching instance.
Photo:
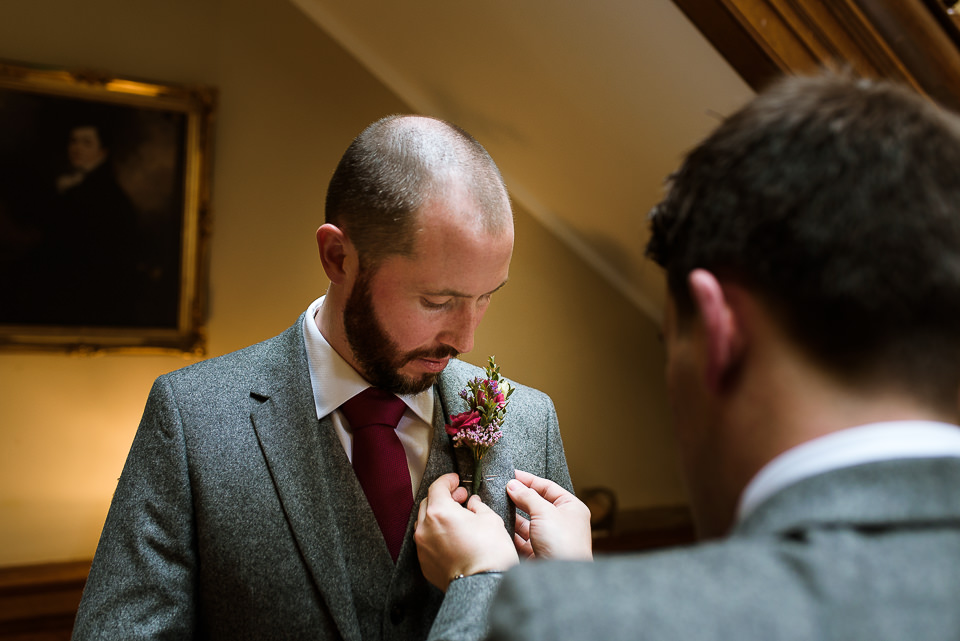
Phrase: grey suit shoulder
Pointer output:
(868, 552)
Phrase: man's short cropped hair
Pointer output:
(835, 200)
(394, 167)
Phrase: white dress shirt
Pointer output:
(334, 381)
(864, 444)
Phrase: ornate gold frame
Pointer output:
(194, 108)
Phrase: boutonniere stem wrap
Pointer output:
(478, 428)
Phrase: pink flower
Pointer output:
(478, 428)
(463, 421)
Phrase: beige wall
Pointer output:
(290, 102)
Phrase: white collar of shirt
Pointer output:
(334, 381)
(854, 446)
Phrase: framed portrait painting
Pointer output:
(104, 211)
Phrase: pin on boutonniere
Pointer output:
(479, 427)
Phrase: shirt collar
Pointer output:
(854, 446)
(333, 379)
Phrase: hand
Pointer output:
(559, 525)
(452, 539)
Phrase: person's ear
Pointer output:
(721, 330)
(335, 249)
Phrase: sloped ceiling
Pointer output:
(585, 106)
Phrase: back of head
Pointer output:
(398, 164)
(837, 202)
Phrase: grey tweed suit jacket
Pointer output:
(238, 515)
(870, 552)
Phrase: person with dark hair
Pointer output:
(92, 234)
(269, 493)
(80, 233)
(812, 253)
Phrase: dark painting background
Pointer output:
(107, 251)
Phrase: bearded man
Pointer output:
(254, 503)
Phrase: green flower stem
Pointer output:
(477, 474)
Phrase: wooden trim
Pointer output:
(732, 39)
(913, 41)
(39, 602)
(925, 40)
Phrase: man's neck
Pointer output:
(329, 320)
(783, 400)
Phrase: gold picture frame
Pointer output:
(104, 212)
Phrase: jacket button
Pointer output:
(397, 614)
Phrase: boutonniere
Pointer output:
(479, 427)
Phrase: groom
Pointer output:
(269, 492)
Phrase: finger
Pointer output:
(524, 547)
(421, 513)
(528, 499)
(441, 491)
(477, 506)
(545, 488)
(445, 485)
(522, 527)
(460, 494)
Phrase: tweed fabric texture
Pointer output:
(239, 516)
(869, 552)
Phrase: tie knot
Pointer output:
(373, 406)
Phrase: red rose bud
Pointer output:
(462, 421)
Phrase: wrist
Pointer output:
(457, 577)
(490, 568)
(469, 581)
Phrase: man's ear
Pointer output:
(334, 248)
(721, 330)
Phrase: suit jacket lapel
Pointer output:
(441, 459)
(309, 469)
(497, 463)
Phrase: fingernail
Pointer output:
(514, 484)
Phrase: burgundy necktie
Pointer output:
(380, 461)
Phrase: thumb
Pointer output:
(443, 489)
(477, 506)
(527, 499)
(449, 481)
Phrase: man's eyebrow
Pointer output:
(457, 294)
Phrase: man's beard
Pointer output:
(377, 356)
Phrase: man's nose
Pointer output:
(459, 332)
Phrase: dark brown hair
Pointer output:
(837, 201)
